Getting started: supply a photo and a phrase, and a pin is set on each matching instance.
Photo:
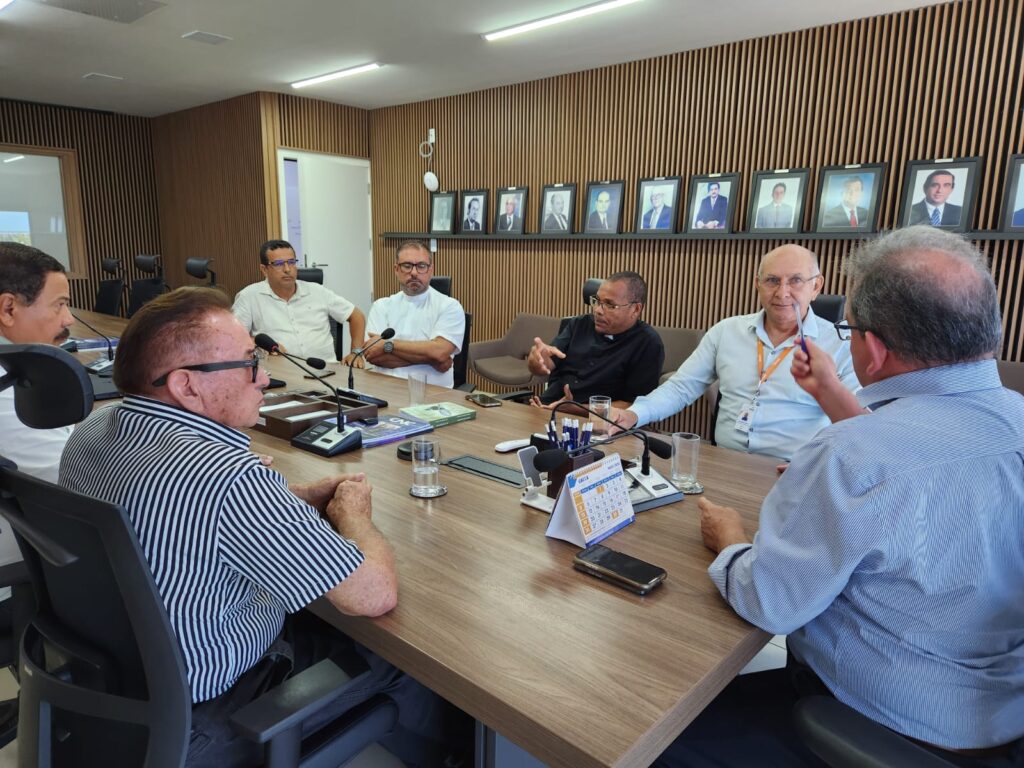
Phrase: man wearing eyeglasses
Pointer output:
(762, 408)
(293, 312)
(236, 553)
(611, 352)
(429, 326)
(890, 551)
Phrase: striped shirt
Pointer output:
(231, 549)
(892, 550)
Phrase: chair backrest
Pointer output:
(201, 268)
(461, 361)
(148, 264)
(143, 291)
(1012, 375)
(590, 288)
(111, 266)
(527, 327)
(442, 284)
(311, 275)
(679, 344)
(108, 297)
(829, 307)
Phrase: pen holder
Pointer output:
(557, 475)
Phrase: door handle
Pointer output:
(315, 265)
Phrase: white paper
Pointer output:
(592, 504)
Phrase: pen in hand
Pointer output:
(800, 329)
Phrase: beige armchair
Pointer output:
(503, 360)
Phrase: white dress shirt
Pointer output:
(299, 324)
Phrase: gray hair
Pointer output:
(927, 294)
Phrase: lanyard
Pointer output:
(771, 368)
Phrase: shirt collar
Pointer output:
(301, 290)
(202, 425)
(950, 379)
(811, 329)
(418, 299)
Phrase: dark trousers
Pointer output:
(428, 727)
(751, 723)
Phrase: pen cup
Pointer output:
(600, 404)
(426, 468)
(417, 388)
(557, 475)
(685, 458)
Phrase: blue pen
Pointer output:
(552, 434)
(800, 330)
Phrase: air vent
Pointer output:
(121, 11)
(100, 76)
(210, 38)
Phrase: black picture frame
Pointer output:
(957, 207)
(552, 222)
(612, 225)
(466, 221)
(1013, 200)
(702, 215)
(782, 214)
(668, 214)
(848, 198)
(442, 213)
(516, 225)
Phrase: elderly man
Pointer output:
(236, 553)
(891, 550)
(428, 325)
(659, 215)
(602, 219)
(611, 352)
(763, 409)
(295, 313)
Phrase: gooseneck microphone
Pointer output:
(386, 334)
(110, 344)
(264, 342)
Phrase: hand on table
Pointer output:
(320, 493)
(566, 395)
(720, 526)
(624, 419)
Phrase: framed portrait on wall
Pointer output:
(940, 193)
(1013, 201)
(712, 202)
(777, 200)
(474, 211)
(603, 214)
(508, 217)
(848, 198)
(656, 205)
(557, 209)
(442, 213)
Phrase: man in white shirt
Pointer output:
(429, 326)
(296, 314)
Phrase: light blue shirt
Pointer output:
(892, 552)
(786, 417)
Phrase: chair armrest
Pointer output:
(479, 350)
(292, 702)
(844, 738)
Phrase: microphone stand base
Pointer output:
(650, 491)
(324, 439)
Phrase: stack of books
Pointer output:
(440, 414)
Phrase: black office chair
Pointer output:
(590, 288)
(200, 268)
(310, 275)
(829, 307)
(147, 288)
(316, 275)
(110, 291)
(844, 738)
(103, 681)
(442, 284)
(461, 361)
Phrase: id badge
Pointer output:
(746, 417)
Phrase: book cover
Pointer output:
(440, 414)
(390, 429)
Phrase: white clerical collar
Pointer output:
(418, 299)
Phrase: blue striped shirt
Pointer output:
(231, 548)
(892, 550)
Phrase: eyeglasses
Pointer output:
(607, 306)
(794, 283)
(253, 362)
(408, 266)
(282, 263)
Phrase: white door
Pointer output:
(325, 212)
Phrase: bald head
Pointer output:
(795, 255)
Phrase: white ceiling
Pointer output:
(428, 48)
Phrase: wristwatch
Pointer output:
(389, 347)
(356, 352)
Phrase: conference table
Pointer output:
(492, 616)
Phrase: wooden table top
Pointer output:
(493, 617)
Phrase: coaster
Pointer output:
(441, 490)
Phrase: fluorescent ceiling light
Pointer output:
(335, 75)
(5, 3)
(12, 159)
(579, 13)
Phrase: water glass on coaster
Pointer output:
(685, 458)
(603, 405)
(426, 468)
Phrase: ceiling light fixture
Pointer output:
(579, 13)
(335, 75)
(12, 159)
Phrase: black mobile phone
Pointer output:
(485, 400)
(323, 375)
(622, 570)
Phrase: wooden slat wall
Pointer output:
(320, 126)
(854, 92)
(117, 180)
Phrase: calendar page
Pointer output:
(592, 504)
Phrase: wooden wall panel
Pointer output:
(861, 91)
(320, 126)
(118, 187)
(212, 188)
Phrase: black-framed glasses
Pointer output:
(253, 362)
(795, 283)
(845, 330)
(408, 266)
(282, 263)
(607, 306)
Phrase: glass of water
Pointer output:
(426, 468)
(685, 457)
(602, 405)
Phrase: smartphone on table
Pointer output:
(485, 400)
(620, 569)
